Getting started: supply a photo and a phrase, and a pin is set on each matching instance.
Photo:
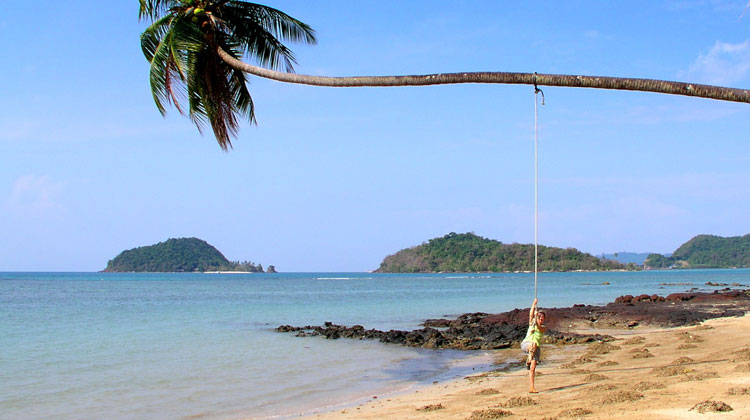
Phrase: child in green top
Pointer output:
(532, 343)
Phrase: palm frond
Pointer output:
(238, 86)
(182, 46)
(260, 30)
(168, 57)
(275, 21)
(152, 9)
(152, 37)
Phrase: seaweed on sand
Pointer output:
(575, 412)
(646, 386)
(641, 353)
(700, 376)
(634, 340)
(739, 390)
(488, 391)
(672, 370)
(682, 360)
(595, 377)
(622, 396)
(602, 387)
(518, 402)
(489, 414)
(601, 348)
(711, 406)
(431, 407)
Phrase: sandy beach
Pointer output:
(690, 372)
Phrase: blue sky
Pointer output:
(336, 179)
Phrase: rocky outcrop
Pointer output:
(467, 332)
(475, 331)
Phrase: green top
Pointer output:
(534, 335)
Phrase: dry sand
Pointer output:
(680, 373)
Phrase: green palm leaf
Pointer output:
(182, 46)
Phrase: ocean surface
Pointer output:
(202, 346)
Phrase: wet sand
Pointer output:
(691, 372)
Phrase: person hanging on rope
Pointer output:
(531, 345)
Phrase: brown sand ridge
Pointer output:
(707, 380)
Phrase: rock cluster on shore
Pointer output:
(467, 332)
(475, 331)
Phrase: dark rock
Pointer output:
(474, 331)
(437, 323)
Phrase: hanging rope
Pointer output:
(537, 91)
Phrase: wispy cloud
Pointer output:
(36, 196)
(724, 64)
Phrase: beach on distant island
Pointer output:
(688, 372)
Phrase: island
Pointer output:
(179, 255)
(470, 253)
(706, 251)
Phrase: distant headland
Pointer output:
(706, 251)
(180, 255)
(469, 253)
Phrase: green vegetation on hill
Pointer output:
(467, 252)
(706, 251)
(178, 255)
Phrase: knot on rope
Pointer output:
(536, 88)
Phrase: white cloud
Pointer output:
(725, 64)
(36, 196)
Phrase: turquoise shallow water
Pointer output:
(178, 346)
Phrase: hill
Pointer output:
(177, 255)
(706, 251)
(467, 252)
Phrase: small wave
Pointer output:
(343, 278)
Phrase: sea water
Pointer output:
(188, 346)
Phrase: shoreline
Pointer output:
(622, 376)
(686, 366)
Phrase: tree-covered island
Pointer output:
(706, 251)
(467, 253)
(179, 255)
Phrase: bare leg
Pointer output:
(532, 374)
(530, 356)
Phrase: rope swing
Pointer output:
(537, 91)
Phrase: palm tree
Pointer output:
(198, 42)
(182, 45)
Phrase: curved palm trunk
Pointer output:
(618, 83)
